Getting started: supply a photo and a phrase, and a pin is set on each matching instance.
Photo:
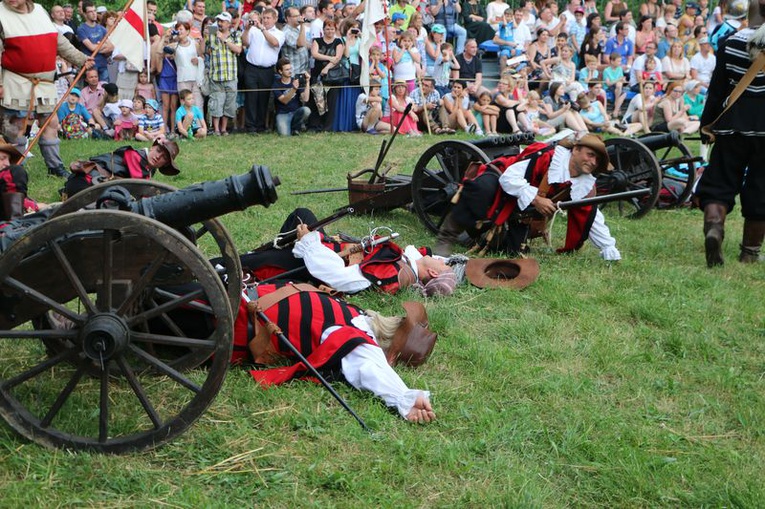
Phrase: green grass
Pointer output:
(632, 384)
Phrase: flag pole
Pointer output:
(82, 70)
(388, 58)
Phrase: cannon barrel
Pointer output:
(656, 141)
(211, 199)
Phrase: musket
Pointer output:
(606, 198)
(287, 239)
(272, 327)
(364, 245)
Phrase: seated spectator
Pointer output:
(189, 119)
(534, 122)
(594, 44)
(619, 43)
(92, 96)
(557, 110)
(433, 44)
(426, 103)
(442, 69)
(369, 111)
(538, 51)
(512, 37)
(590, 71)
(510, 109)
(694, 99)
(456, 112)
(596, 119)
(651, 74)
(139, 106)
(595, 92)
(691, 46)
(665, 42)
(642, 108)
(667, 19)
(445, 13)
(471, 68)
(625, 16)
(126, 124)
(672, 112)
(675, 66)
(562, 69)
(645, 34)
(475, 22)
(151, 126)
(703, 63)
(495, 13)
(74, 120)
(613, 76)
(398, 103)
(577, 30)
(638, 66)
(486, 113)
(290, 96)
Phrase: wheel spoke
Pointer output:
(201, 231)
(161, 339)
(66, 355)
(175, 375)
(42, 299)
(135, 384)
(103, 414)
(73, 277)
(65, 393)
(435, 175)
(431, 205)
(196, 306)
(167, 306)
(140, 285)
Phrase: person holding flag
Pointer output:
(29, 44)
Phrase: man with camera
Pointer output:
(223, 45)
(263, 42)
(296, 42)
(290, 95)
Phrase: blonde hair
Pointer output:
(383, 327)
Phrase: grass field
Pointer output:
(632, 384)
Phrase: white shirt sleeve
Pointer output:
(325, 265)
(514, 183)
(365, 368)
(601, 238)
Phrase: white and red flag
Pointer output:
(130, 34)
(374, 11)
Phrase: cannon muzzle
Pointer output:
(656, 141)
(208, 200)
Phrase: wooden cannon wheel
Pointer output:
(437, 176)
(117, 284)
(676, 187)
(211, 233)
(634, 167)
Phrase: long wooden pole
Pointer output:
(82, 70)
(424, 105)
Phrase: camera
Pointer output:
(301, 80)
(251, 23)
(174, 33)
(355, 31)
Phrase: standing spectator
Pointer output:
(144, 87)
(703, 63)
(290, 95)
(187, 60)
(151, 126)
(405, 8)
(90, 34)
(474, 21)
(167, 78)
(406, 60)
(445, 13)
(223, 48)
(327, 52)
(58, 16)
(296, 43)
(324, 11)
(471, 69)
(345, 114)
(232, 5)
(433, 47)
(197, 18)
(151, 16)
(189, 119)
(70, 18)
(619, 43)
(263, 42)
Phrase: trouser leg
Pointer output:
(714, 232)
(754, 232)
(50, 153)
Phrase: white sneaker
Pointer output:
(479, 131)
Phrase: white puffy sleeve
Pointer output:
(325, 265)
(601, 238)
(514, 183)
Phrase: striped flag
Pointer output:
(129, 36)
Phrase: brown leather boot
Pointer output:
(447, 236)
(754, 231)
(13, 205)
(714, 232)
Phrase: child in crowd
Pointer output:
(406, 61)
(378, 71)
(597, 121)
(369, 111)
(126, 124)
(189, 119)
(74, 119)
(519, 85)
(613, 75)
(590, 71)
(151, 125)
(442, 69)
(487, 113)
(457, 112)
(145, 88)
(504, 38)
(694, 99)
(651, 74)
(534, 123)
(139, 105)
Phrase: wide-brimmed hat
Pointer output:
(399, 82)
(412, 342)
(153, 104)
(12, 151)
(171, 148)
(502, 273)
(595, 143)
(125, 103)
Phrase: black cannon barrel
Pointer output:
(211, 199)
(656, 141)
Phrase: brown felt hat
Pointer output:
(595, 143)
(171, 148)
(502, 273)
(13, 153)
(413, 342)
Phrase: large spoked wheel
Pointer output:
(126, 292)
(635, 167)
(678, 173)
(210, 236)
(437, 176)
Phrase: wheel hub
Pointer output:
(104, 336)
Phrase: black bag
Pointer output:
(355, 74)
(337, 75)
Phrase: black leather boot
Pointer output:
(714, 232)
(754, 231)
(13, 206)
(447, 236)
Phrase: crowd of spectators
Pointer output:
(296, 65)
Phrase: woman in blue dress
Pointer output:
(345, 120)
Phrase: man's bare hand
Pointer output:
(90, 63)
(544, 206)
(302, 231)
